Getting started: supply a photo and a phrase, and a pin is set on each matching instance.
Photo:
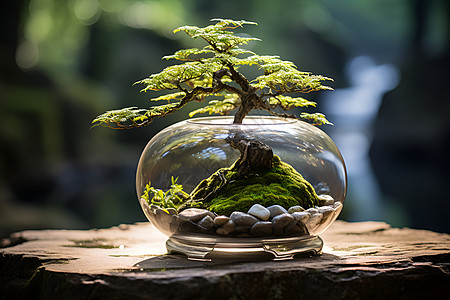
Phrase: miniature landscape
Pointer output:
(259, 194)
(277, 202)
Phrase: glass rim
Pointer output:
(228, 121)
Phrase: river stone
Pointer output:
(280, 221)
(324, 223)
(303, 227)
(207, 222)
(226, 228)
(328, 215)
(243, 219)
(312, 211)
(325, 200)
(260, 212)
(220, 220)
(229, 225)
(187, 226)
(296, 229)
(242, 228)
(294, 209)
(283, 219)
(261, 228)
(325, 211)
(313, 221)
(301, 216)
(195, 214)
(276, 210)
(221, 231)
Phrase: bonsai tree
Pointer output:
(212, 74)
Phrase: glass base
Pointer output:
(207, 248)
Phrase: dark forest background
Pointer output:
(64, 62)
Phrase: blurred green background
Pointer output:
(63, 62)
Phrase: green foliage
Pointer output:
(132, 117)
(211, 73)
(230, 102)
(172, 198)
(217, 36)
(315, 119)
(287, 102)
(283, 76)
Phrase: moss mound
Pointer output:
(224, 193)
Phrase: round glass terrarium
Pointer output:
(276, 213)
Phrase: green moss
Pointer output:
(281, 185)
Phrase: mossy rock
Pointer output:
(224, 193)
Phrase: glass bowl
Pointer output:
(267, 222)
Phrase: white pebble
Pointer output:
(276, 210)
(282, 220)
(242, 219)
(312, 211)
(301, 216)
(326, 199)
(325, 210)
(195, 214)
(294, 209)
(260, 212)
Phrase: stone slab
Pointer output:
(367, 260)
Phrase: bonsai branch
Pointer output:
(239, 78)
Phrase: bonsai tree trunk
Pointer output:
(255, 156)
(247, 104)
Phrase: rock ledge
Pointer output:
(360, 261)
